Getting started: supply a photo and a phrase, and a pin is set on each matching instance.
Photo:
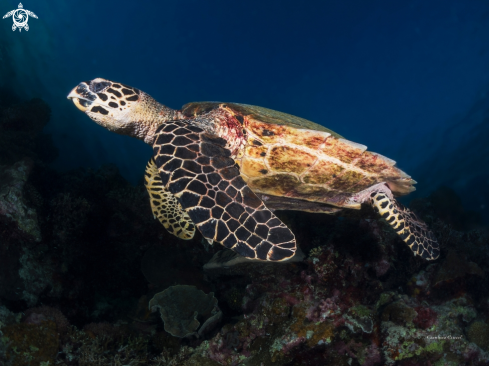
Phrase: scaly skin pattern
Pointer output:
(406, 224)
(197, 168)
(165, 205)
(214, 157)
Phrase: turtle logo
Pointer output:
(20, 17)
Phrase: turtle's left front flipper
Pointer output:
(165, 206)
(196, 167)
(410, 228)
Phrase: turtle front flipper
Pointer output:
(412, 230)
(165, 206)
(197, 168)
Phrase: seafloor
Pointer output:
(83, 263)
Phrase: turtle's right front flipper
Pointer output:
(197, 168)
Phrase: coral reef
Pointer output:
(81, 256)
(456, 267)
(181, 305)
(425, 317)
(31, 344)
(42, 313)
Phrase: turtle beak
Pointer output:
(82, 97)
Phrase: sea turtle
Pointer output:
(225, 167)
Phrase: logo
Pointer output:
(20, 17)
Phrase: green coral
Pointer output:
(478, 333)
(361, 311)
(468, 313)
(359, 317)
(384, 299)
(405, 349)
(403, 343)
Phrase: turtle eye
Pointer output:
(99, 86)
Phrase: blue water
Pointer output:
(407, 79)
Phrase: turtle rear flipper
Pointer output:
(165, 206)
(412, 230)
(196, 167)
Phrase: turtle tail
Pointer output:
(410, 228)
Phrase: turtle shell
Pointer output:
(291, 157)
(256, 113)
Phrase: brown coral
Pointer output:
(31, 344)
(52, 314)
(399, 313)
(313, 333)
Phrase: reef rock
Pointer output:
(13, 207)
(181, 305)
(456, 267)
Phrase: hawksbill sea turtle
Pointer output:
(223, 168)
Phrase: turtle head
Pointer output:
(120, 108)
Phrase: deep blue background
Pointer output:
(409, 79)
